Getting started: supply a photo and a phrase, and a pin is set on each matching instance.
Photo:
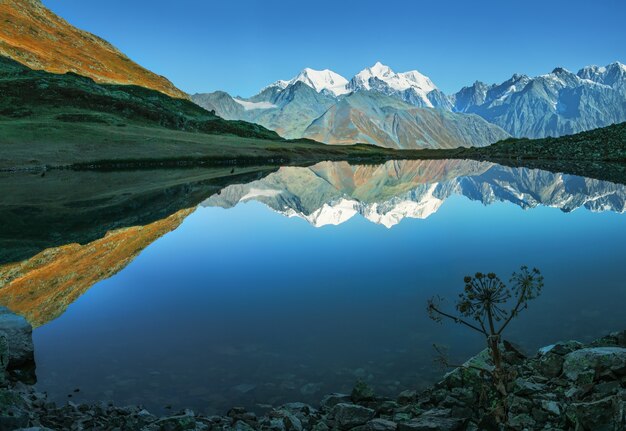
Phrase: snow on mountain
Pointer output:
(321, 104)
(319, 80)
(382, 78)
(554, 104)
(248, 106)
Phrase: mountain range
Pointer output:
(407, 110)
(330, 193)
(74, 98)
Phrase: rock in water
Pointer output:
(19, 334)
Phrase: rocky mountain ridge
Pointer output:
(378, 106)
(553, 104)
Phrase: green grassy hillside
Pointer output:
(604, 144)
(72, 98)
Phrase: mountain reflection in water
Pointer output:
(331, 193)
(141, 296)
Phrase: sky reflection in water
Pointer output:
(242, 306)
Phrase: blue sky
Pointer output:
(242, 45)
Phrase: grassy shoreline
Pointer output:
(37, 144)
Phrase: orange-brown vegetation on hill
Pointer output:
(39, 39)
(42, 287)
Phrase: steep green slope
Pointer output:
(74, 98)
(606, 144)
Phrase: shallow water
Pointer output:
(305, 280)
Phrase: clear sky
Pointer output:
(242, 45)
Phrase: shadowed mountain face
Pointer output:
(36, 37)
(332, 193)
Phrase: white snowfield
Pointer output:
(318, 80)
(249, 106)
(378, 74)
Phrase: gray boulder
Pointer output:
(608, 414)
(349, 416)
(550, 364)
(587, 365)
(20, 338)
(561, 348)
(331, 400)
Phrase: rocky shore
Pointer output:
(564, 386)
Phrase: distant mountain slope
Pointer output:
(288, 111)
(555, 104)
(39, 39)
(73, 98)
(378, 107)
(374, 118)
(558, 103)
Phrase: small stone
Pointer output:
(433, 420)
(361, 392)
(331, 400)
(524, 387)
(407, 397)
(523, 421)
(561, 348)
(550, 365)
(351, 415)
(551, 407)
(607, 388)
(380, 425)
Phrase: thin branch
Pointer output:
(520, 300)
(459, 320)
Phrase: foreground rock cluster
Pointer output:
(565, 386)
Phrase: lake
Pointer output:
(202, 289)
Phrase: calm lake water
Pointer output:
(295, 284)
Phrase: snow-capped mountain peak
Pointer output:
(319, 80)
(382, 78)
(396, 81)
